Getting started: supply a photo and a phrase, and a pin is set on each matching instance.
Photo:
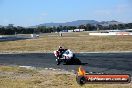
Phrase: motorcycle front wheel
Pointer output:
(58, 61)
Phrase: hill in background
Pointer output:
(81, 22)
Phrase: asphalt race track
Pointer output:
(92, 62)
(13, 38)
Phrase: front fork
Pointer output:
(58, 61)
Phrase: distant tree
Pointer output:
(99, 27)
(130, 25)
(2, 31)
(89, 27)
(121, 26)
(82, 27)
(113, 26)
(72, 27)
(54, 29)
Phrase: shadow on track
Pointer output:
(75, 62)
(84, 64)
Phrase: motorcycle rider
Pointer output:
(61, 50)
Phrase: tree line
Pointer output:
(10, 29)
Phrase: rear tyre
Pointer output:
(78, 61)
(74, 57)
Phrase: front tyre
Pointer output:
(81, 80)
(58, 61)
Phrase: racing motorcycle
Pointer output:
(67, 57)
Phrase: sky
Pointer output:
(34, 12)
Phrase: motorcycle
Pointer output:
(67, 57)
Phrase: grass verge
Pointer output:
(16, 77)
(78, 42)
